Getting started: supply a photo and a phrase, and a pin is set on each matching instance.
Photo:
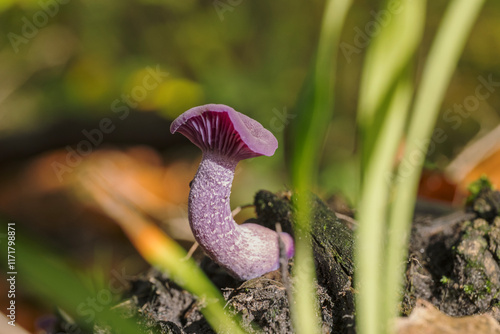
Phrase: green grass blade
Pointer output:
(385, 97)
(387, 57)
(372, 214)
(315, 107)
(442, 60)
(314, 114)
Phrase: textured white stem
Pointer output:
(246, 251)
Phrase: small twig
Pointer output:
(191, 251)
(239, 208)
(353, 223)
(284, 265)
(438, 225)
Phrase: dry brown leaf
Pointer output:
(426, 319)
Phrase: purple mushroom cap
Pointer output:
(219, 128)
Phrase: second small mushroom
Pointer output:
(225, 137)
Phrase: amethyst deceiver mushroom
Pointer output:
(226, 136)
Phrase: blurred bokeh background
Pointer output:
(88, 87)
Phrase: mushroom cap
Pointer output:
(221, 129)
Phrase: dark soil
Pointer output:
(454, 260)
(453, 263)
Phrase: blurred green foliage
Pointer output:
(253, 56)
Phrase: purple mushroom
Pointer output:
(226, 136)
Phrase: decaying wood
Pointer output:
(333, 247)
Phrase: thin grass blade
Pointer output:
(308, 133)
(443, 58)
(385, 97)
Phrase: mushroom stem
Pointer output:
(208, 209)
(246, 251)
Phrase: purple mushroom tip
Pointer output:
(225, 137)
(217, 127)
